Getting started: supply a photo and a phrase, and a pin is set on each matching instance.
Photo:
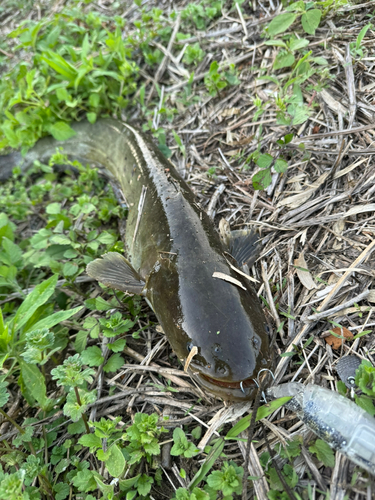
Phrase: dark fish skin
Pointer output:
(176, 249)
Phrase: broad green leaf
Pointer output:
(281, 23)
(61, 131)
(58, 63)
(116, 462)
(114, 363)
(310, 20)
(40, 239)
(90, 441)
(283, 60)
(35, 299)
(366, 404)
(281, 165)
(264, 161)
(81, 340)
(126, 484)
(276, 43)
(323, 452)
(62, 491)
(70, 269)
(298, 43)
(92, 356)
(106, 489)
(35, 383)
(91, 117)
(262, 179)
(56, 318)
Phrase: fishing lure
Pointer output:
(337, 420)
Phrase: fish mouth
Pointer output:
(249, 382)
(243, 390)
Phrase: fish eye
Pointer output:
(267, 328)
(351, 381)
(217, 348)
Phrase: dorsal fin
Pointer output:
(113, 270)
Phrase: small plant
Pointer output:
(193, 54)
(72, 375)
(228, 480)
(201, 14)
(310, 18)
(182, 446)
(356, 48)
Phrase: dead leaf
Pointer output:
(336, 342)
(303, 273)
(229, 279)
(360, 209)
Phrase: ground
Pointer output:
(277, 135)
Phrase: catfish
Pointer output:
(189, 275)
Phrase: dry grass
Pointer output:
(319, 215)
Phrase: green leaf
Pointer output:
(53, 208)
(61, 131)
(98, 304)
(74, 410)
(84, 481)
(91, 117)
(35, 383)
(117, 346)
(211, 458)
(70, 269)
(144, 485)
(4, 394)
(13, 253)
(58, 63)
(35, 299)
(281, 165)
(276, 43)
(365, 378)
(262, 179)
(362, 34)
(264, 161)
(283, 60)
(262, 412)
(56, 318)
(114, 363)
(116, 462)
(323, 452)
(310, 20)
(40, 239)
(298, 43)
(92, 356)
(126, 484)
(366, 404)
(281, 23)
(62, 490)
(90, 441)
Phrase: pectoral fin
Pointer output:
(242, 244)
(115, 271)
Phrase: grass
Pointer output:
(58, 335)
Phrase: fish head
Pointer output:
(217, 330)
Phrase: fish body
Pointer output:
(173, 251)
